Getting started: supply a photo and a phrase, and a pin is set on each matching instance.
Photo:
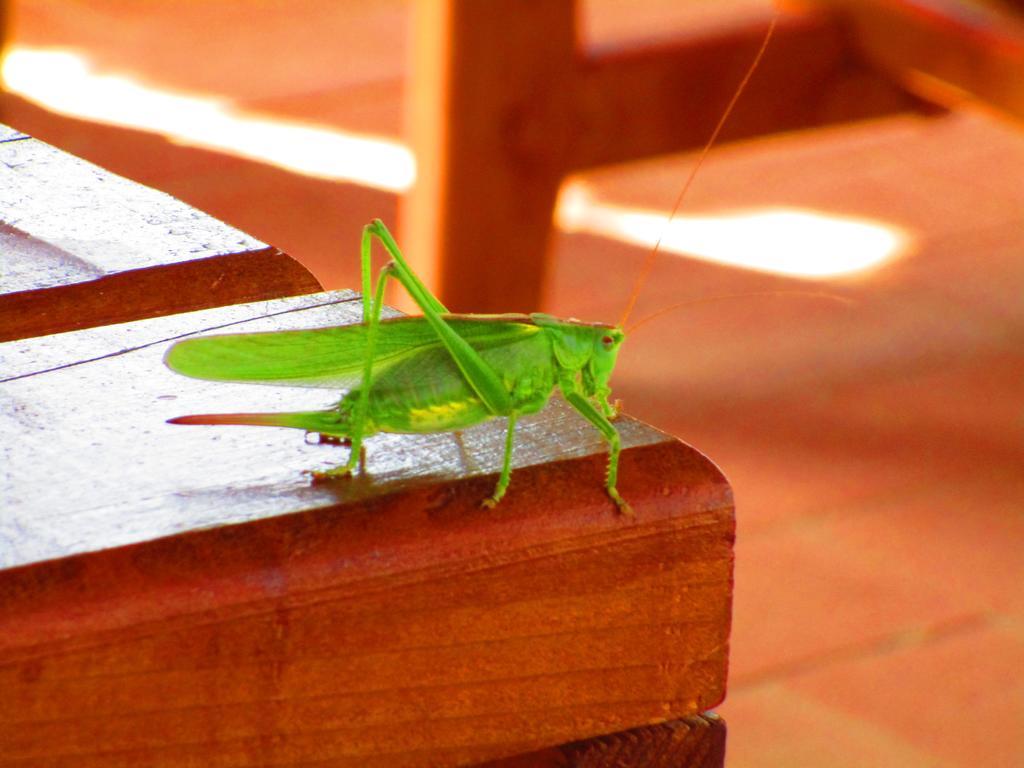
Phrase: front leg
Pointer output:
(610, 408)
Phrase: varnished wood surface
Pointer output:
(692, 742)
(83, 247)
(175, 595)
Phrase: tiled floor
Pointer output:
(876, 448)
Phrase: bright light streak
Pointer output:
(785, 241)
(63, 82)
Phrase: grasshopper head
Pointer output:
(599, 368)
(586, 349)
(598, 371)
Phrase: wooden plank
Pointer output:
(178, 596)
(83, 247)
(692, 742)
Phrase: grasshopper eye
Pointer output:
(608, 341)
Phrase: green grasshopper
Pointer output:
(436, 373)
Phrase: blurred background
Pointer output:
(852, 356)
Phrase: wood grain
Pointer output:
(179, 596)
(692, 742)
(83, 247)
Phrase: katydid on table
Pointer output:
(435, 373)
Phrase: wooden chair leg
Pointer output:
(489, 123)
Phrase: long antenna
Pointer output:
(746, 294)
(649, 262)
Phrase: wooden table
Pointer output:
(181, 596)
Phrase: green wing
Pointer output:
(330, 357)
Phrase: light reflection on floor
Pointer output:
(63, 81)
(784, 241)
